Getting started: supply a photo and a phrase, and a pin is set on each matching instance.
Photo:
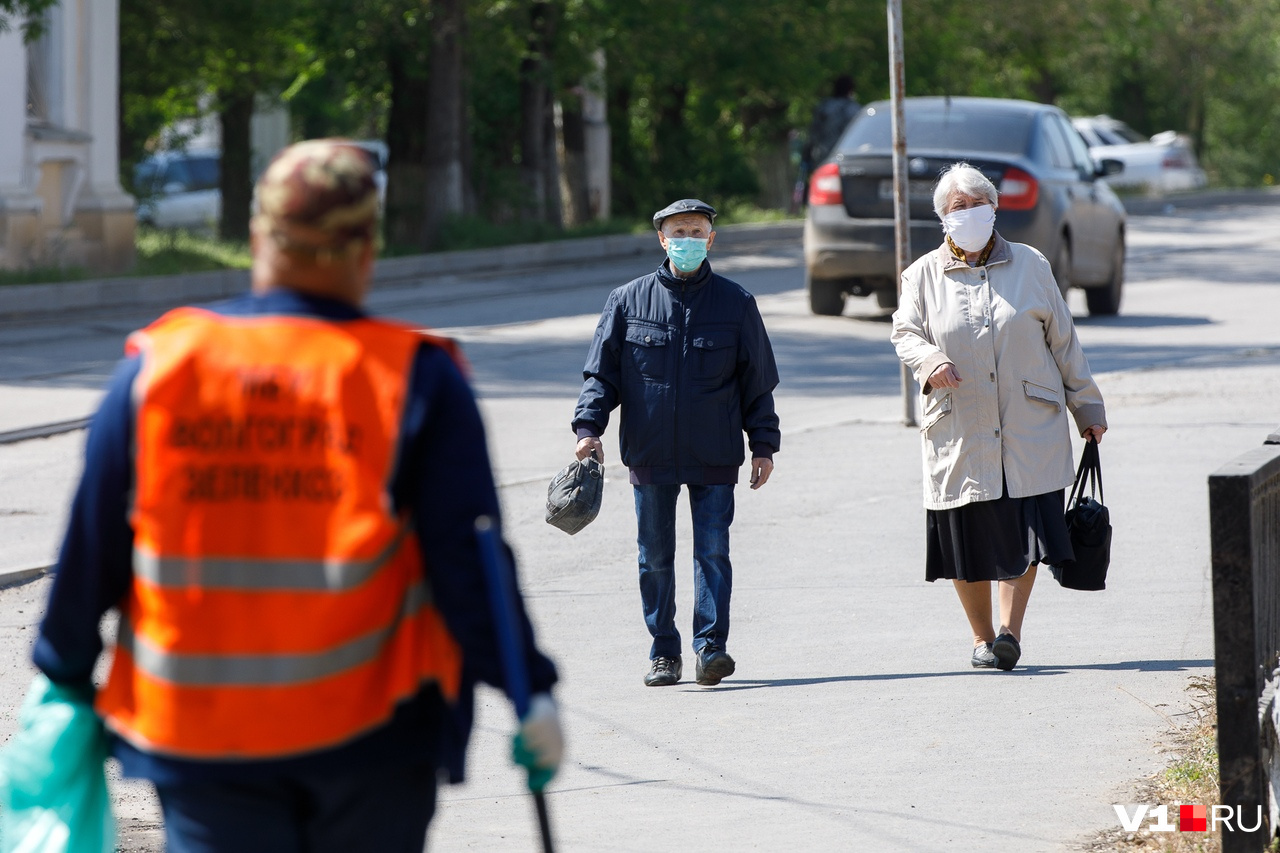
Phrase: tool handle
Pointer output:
(502, 603)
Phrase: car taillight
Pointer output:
(1018, 190)
(1175, 160)
(824, 185)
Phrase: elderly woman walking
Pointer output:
(984, 327)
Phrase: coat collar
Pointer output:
(669, 279)
(999, 255)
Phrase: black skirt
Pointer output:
(996, 540)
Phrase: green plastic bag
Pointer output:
(53, 791)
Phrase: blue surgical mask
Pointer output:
(686, 253)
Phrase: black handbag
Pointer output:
(574, 495)
(1089, 525)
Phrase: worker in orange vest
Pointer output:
(280, 496)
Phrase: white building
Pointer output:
(61, 203)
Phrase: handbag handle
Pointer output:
(1088, 475)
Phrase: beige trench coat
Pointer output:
(1010, 335)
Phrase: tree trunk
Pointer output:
(406, 151)
(535, 112)
(672, 147)
(236, 180)
(445, 179)
(551, 161)
(622, 153)
(573, 163)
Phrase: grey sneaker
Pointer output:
(713, 665)
(664, 672)
(983, 657)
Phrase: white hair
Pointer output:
(962, 178)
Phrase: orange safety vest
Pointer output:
(278, 605)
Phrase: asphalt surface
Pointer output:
(854, 721)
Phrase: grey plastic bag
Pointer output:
(574, 495)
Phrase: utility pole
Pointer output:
(901, 188)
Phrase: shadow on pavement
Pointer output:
(1119, 666)
(1142, 321)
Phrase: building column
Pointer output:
(106, 211)
(19, 206)
(13, 111)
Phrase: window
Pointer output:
(945, 127)
(1059, 148)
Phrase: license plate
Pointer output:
(920, 190)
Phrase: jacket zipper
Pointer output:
(675, 450)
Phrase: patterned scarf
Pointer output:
(983, 256)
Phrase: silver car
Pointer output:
(179, 189)
(1051, 197)
(1164, 163)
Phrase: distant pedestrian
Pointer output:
(830, 118)
(279, 496)
(986, 331)
(684, 352)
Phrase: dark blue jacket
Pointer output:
(442, 478)
(691, 365)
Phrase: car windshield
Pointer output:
(938, 127)
(201, 173)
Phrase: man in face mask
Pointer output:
(685, 354)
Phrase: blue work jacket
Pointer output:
(690, 363)
(443, 482)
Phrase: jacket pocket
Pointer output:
(647, 347)
(1042, 394)
(714, 356)
(935, 409)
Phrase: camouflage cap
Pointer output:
(318, 197)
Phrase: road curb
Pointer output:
(23, 301)
(13, 577)
(1199, 200)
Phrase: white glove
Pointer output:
(539, 744)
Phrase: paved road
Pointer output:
(854, 721)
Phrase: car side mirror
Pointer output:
(1109, 166)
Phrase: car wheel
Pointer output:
(887, 299)
(1061, 265)
(825, 297)
(1105, 301)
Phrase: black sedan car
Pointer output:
(1050, 197)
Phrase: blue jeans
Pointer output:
(383, 809)
(712, 509)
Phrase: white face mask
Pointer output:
(970, 229)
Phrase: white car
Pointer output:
(378, 150)
(179, 189)
(1163, 163)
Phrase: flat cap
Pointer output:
(318, 196)
(684, 205)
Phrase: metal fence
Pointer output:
(1244, 529)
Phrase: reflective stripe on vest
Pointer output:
(265, 670)
(278, 607)
(248, 573)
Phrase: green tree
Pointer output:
(29, 12)
(178, 56)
